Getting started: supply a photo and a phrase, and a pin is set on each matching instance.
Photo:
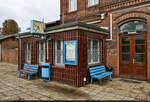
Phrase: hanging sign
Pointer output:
(37, 27)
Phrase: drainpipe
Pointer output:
(111, 25)
(20, 52)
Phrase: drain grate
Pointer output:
(132, 81)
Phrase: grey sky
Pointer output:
(23, 11)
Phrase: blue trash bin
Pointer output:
(46, 72)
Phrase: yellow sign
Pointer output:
(37, 27)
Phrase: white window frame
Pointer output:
(99, 54)
(41, 52)
(92, 2)
(62, 53)
(72, 5)
(47, 49)
(28, 53)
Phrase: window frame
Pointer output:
(62, 52)
(39, 54)
(28, 55)
(48, 49)
(94, 3)
(75, 5)
(99, 52)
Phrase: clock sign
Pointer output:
(37, 27)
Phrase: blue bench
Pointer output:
(29, 70)
(99, 72)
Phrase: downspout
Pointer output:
(20, 52)
(111, 25)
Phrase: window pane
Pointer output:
(125, 48)
(42, 52)
(28, 47)
(58, 44)
(139, 57)
(125, 57)
(133, 26)
(140, 49)
(59, 52)
(72, 5)
(139, 40)
(58, 56)
(125, 40)
(95, 51)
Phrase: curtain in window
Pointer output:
(59, 52)
(93, 51)
(92, 2)
(72, 5)
(41, 52)
(28, 52)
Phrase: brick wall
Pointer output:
(86, 14)
(10, 50)
(72, 75)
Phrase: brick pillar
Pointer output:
(148, 49)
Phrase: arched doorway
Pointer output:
(132, 48)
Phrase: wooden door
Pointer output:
(133, 56)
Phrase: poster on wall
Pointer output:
(70, 52)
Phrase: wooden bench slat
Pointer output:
(102, 69)
(30, 67)
(29, 70)
(92, 68)
(99, 72)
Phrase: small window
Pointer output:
(28, 52)
(41, 52)
(59, 52)
(92, 2)
(72, 5)
(93, 51)
(133, 27)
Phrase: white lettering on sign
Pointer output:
(70, 51)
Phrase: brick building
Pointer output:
(9, 48)
(8, 41)
(128, 22)
(127, 45)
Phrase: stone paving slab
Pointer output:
(14, 88)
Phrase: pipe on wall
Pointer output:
(111, 25)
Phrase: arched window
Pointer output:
(133, 27)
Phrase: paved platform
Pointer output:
(14, 88)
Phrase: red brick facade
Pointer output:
(72, 75)
(9, 50)
(122, 11)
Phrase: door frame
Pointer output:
(145, 35)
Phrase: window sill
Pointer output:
(94, 64)
(71, 12)
(91, 6)
(60, 65)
